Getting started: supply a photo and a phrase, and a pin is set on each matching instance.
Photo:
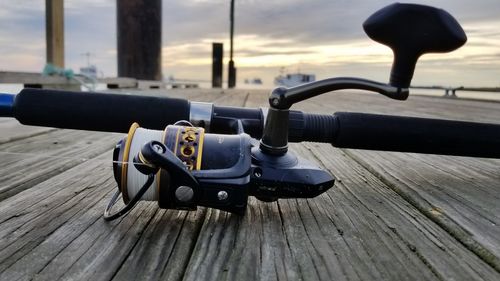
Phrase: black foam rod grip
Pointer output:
(421, 135)
(96, 111)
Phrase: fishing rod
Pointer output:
(217, 156)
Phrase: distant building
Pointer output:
(291, 80)
(255, 81)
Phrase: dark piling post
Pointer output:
(217, 54)
(139, 39)
(54, 28)
(231, 80)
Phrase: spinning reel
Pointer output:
(183, 167)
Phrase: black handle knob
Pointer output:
(411, 30)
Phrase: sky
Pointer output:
(321, 37)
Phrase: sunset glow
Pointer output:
(318, 44)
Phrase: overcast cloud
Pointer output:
(318, 36)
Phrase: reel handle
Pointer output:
(412, 30)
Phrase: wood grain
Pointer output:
(391, 216)
(361, 229)
(29, 161)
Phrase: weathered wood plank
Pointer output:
(466, 186)
(352, 234)
(13, 77)
(164, 247)
(360, 230)
(204, 95)
(363, 228)
(30, 217)
(29, 161)
(445, 256)
(69, 236)
(12, 130)
(460, 195)
(119, 82)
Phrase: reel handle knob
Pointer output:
(141, 160)
(412, 30)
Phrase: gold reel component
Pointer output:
(186, 143)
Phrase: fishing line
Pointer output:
(136, 179)
(36, 155)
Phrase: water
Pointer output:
(491, 96)
(488, 96)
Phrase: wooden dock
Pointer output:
(390, 216)
(40, 81)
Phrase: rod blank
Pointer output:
(6, 105)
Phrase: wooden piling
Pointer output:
(231, 78)
(139, 39)
(54, 27)
(217, 55)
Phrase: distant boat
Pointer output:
(89, 71)
(291, 80)
(255, 81)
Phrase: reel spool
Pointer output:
(139, 179)
(185, 142)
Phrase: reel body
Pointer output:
(183, 167)
(193, 168)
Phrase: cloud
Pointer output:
(321, 36)
(90, 26)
